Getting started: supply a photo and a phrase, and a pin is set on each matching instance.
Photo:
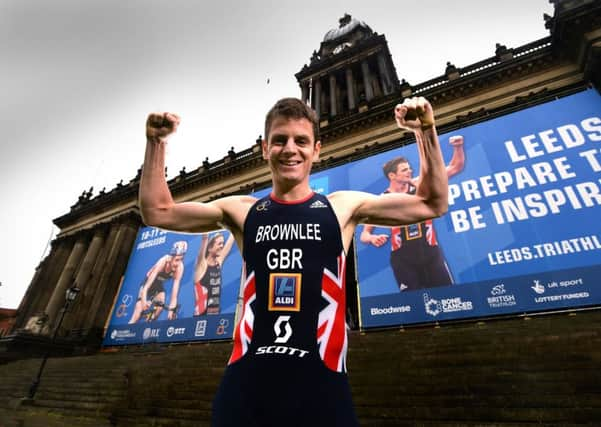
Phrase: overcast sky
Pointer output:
(77, 79)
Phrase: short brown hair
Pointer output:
(292, 108)
(392, 165)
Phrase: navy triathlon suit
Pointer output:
(157, 285)
(416, 259)
(288, 364)
(211, 281)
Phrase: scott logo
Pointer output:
(282, 336)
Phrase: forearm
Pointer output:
(457, 161)
(154, 191)
(173, 300)
(366, 235)
(433, 185)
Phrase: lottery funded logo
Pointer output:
(284, 291)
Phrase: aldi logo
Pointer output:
(284, 291)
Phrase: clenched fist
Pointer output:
(456, 140)
(378, 239)
(160, 125)
(414, 113)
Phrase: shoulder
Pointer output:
(235, 209)
(163, 260)
(348, 205)
(349, 199)
(235, 201)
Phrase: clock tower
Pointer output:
(351, 73)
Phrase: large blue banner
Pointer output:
(177, 287)
(522, 232)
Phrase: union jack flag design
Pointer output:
(331, 327)
(402, 233)
(244, 329)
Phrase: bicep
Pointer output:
(393, 209)
(187, 217)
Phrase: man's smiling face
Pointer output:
(291, 150)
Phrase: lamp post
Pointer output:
(70, 296)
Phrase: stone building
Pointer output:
(353, 85)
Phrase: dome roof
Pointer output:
(347, 25)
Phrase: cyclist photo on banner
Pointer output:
(152, 295)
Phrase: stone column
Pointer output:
(333, 98)
(350, 89)
(317, 96)
(40, 289)
(103, 269)
(115, 273)
(83, 277)
(65, 280)
(384, 74)
(305, 91)
(369, 91)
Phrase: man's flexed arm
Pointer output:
(156, 203)
(417, 115)
(431, 198)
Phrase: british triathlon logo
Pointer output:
(284, 291)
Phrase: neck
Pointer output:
(291, 194)
(398, 187)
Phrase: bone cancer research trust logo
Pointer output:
(432, 306)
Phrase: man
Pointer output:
(288, 362)
(151, 297)
(207, 273)
(416, 260)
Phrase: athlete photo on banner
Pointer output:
(521, 233)
(177, 287)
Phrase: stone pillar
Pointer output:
(350, 89)
(103, 267)
(384, 74)
(108, 270)
(40, 289)
(369, 91)
(333, 98)
(121, 255)
(65, 280)
(317, 97)
(304, 91)
(83, 277)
